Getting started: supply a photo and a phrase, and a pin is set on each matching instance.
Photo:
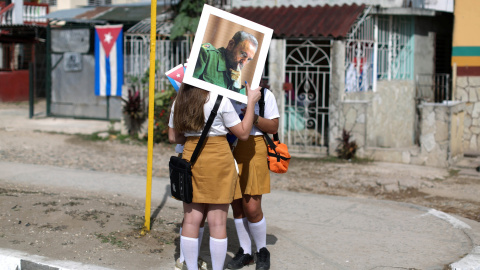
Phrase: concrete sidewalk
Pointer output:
(305, 231)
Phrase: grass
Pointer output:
(112, 239)
(453, 172)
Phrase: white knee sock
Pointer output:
(218, 251)
(200, 237)
(181, 258)
(258, 231)
(189, 247)
(241, 224)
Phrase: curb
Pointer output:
(17, 260)
(469, 262)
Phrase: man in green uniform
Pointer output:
(223, 66)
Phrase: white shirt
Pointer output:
(271, 110)
(226, 117)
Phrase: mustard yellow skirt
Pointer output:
(251, 157)
(214, 175)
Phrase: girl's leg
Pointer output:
(252, 206)
(217, 223)
(241, 225)
(181, 259)
(193, 216)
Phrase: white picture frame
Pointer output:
(218, 26)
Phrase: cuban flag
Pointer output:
(175, 76)
(108, 60)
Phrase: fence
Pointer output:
(433, 87)
(137, 59)
(32, 14)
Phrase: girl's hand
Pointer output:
(253, 95)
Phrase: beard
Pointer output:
(234, 64)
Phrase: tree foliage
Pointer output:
(186, 21)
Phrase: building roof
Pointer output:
(318, 21)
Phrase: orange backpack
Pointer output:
(278, 157)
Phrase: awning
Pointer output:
(318, 21)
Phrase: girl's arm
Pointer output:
(242, 129)
(267, 125)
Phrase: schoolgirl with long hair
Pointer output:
(214, 174)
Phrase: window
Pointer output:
(15, 56)
(99, 2)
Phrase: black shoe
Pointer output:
(240, 260)
(263, 259)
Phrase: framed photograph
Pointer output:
(227, 51)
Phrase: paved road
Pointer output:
(305, 231)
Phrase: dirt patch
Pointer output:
(74, 226)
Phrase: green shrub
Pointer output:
(163, 101)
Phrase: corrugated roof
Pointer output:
(318, 21)
(164, 25)
(94, 13)
(67, 13)
(124, 13)
(143, 27)
(128, 13)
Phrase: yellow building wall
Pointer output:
(466, 37)
(466, 28)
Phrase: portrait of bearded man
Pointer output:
(223, 66)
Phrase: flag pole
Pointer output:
(151, 97)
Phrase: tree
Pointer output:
(186, 22)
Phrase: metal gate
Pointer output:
(307, 86)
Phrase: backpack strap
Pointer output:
(261, 105)
(261, 102)
(197, 150)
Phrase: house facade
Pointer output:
(379, 80)
(466, 63)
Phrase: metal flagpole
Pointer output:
(151, 97)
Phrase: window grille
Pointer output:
(393, 51)
(359, 55)
(49, 2)
(395, 47)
